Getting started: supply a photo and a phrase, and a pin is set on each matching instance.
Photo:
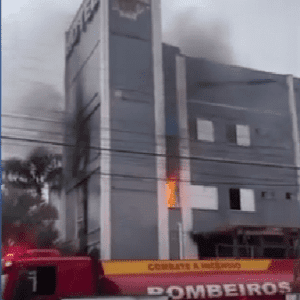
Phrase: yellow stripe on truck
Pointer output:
(181, 266)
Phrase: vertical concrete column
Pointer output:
(64, 196)
(159, 106)
(295, 129)
(189, 247)
(105, 144)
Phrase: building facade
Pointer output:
(114, 98)
(169, 156)
(237, 135)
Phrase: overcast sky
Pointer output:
(259, 34)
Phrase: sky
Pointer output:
(258, 34)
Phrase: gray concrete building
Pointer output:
(236, 131)
(114, 100)
(145, 122)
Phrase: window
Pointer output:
(243, 135)
(274, 252)
(288, 196)
(205, 130)
(204, 197)
(242, 199)
(231, 134)
(235, 199)
(238, 134)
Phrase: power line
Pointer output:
(32, 130)
(216, 143)
(61, 135)
(31, 118)
(193, 183)
(202, 182)
(214, 176)
(205, 183)
(214, 181)
(135, 132)
(200, 158)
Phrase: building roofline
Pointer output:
(75, 17)
(236, 66)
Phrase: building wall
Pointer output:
(229, 96)
(112, 104)
(172, 143)
(263, 169)
(116, 172)
(175, 222)
(134, 187)
(82, 83)
(171, 113)
(296, 82)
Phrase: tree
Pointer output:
(26, 217)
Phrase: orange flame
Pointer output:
(171, 192)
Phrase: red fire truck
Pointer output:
(45, 274)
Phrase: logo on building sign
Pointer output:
(131, 9)
(221, 290)
(83, 17)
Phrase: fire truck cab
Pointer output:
(48, 275)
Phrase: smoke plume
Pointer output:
(198, 37)
(33, 58)
(33, 52)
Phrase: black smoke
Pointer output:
(33, 51)
(33, 58)
(197, 36)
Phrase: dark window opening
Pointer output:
(274, 253)
(288, 196)
(231, 134)
(235, 201)
(253, 240)
(225, 239)
(225, 251)
(248, 246)
(273, 240)
(243, 252)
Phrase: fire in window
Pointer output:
(172, 192)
